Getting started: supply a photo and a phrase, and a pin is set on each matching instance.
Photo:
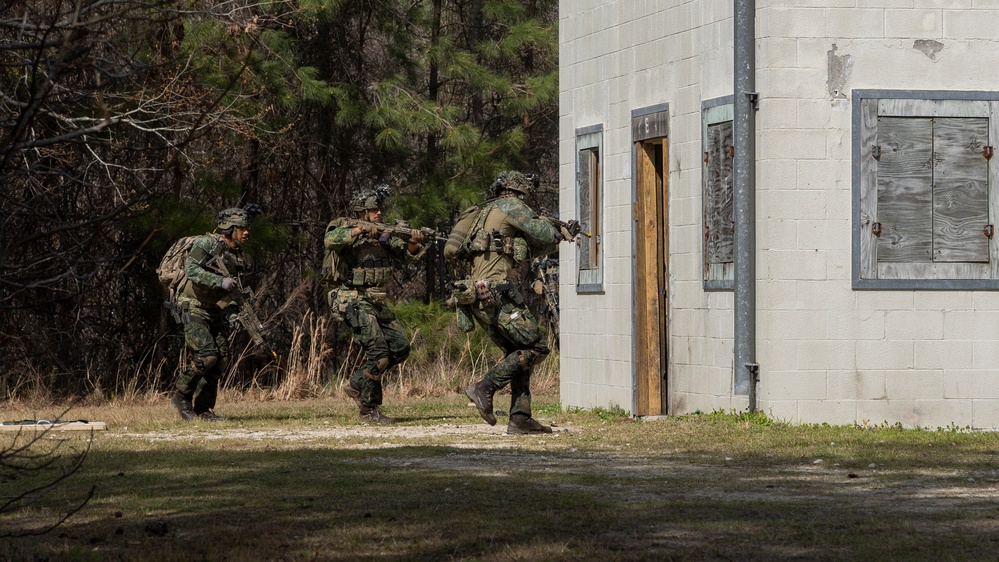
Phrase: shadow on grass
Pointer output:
(444, 503)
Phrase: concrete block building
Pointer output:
(874, 265)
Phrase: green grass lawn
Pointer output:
(306, 481)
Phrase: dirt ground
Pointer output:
(925, 489)
(653, 500)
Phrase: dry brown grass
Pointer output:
(319, 358)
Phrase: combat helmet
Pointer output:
(370, 199)
(228, 218)
(514, 181)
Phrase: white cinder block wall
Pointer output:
(677, 55)
(828, 353)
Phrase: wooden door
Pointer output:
(651, 277)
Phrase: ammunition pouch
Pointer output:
(464, 292)
(339, 299)
(515, 247)
(371, 272)
(480, 242)
(375, 295)
(520, 250)
(463, 295)
(179, 310)
(466, 322)
(467, 292)
(176, 312)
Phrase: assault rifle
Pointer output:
(246, 316)
(568, 230)
(398, 228)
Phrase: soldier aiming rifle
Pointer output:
(359, 261)
(496, 236)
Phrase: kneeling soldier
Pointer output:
(358, 264)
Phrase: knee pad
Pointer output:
(377, 369)
(203, 364)
(529, 357)
(526, 358)
(397, 358)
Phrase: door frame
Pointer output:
(650, 127)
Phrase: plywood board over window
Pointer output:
(718, 193)
(589, 196)
(925, 190)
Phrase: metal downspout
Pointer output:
(744, 127)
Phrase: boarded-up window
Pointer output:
(927, 190)
(588, 196)
(718, 197)
(932, 190)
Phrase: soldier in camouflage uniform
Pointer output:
(496, 236)
(361, 264)
(207, 310)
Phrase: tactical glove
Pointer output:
(228, 283)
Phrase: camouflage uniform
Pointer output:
(207, 309)
(509, 231)
(358, 297)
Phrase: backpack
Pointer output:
(467, 234)
(171, 270)
(334, 268)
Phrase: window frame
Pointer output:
(864, 122)
(713, 112)
(590, 279)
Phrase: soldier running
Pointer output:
(359, 263)
(496, 236)
(206, 312)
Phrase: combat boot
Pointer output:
(183, 405)
(211, 416)
(354, 392)
(481, 394)
(521, 424)
(374, 415)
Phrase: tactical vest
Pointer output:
(469, 236)
(371, 273)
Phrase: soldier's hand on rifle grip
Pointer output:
(234, 323)
(417, 237)
(228, 283)
(369, 230)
